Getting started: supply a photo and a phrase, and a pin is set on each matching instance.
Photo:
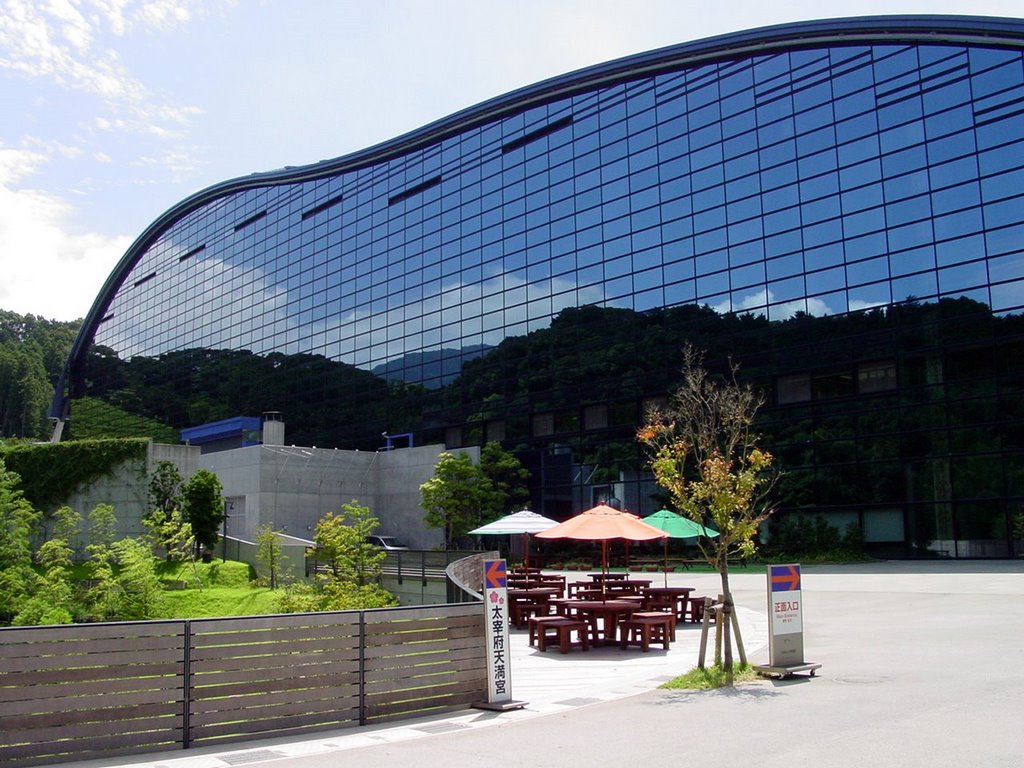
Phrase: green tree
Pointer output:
(341, 544)
(170, 534)
(18, 521)
(203, 504)
(101, 597)
(54, 599)
(509, 481)
(354, 566)
(268, 555)
(24, 391)
(454, 497)
(705, 454)
(168, 528)
(165, 486)
(137, 586)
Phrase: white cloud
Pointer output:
(59, 42)
(47, 268)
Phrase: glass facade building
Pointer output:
(836, 205)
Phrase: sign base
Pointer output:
(499, 706)
(788, 671)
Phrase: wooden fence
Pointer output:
(88, 691)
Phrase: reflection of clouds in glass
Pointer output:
(757, 301)
(204, 303)
(210, 302)
(458, 315)
(856, 305)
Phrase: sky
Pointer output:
(113, 111)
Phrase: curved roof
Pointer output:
(969, 30)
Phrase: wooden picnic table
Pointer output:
(526, 602)
(671, 598)
(603, 616)
(626, 586)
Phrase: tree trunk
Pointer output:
(726, 619)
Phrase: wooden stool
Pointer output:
(670, 615)
(539, 621)
(562, 628)
(641, 630)
(696, 609)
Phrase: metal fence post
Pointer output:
(362, 668)
(186, 695)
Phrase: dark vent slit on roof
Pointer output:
(251, 220)
(193, 252)
(414, 190)
(320, 207)
(539, 133)
(145, 279)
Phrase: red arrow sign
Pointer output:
(785, 578)
(494, 574)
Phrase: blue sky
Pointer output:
(111, 111)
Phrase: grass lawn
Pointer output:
(217, 588)
(217, 601)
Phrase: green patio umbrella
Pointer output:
(677, 527)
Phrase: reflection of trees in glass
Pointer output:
(891, 402)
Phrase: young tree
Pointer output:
(341, 543)
(455, 495)
(164, 521)
(137, 584)
(165, 485)
(17, 522)
(54, 598)
(102, 597)
(509, 479)
(704, 453)
(203, 504)
(170, 534)
(355, 566)
(268, 555)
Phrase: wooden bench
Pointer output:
(645, 627)
(545, 628)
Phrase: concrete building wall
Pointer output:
(126, 488)
(287, 487)
(398, 477)
(291, 487)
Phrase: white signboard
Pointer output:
(499, 680)
(786, 641)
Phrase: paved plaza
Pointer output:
(922, 665)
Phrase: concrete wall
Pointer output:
(399, 475)
(291, 487)
(127, 487)
(287, 487)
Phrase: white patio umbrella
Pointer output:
(523, 522)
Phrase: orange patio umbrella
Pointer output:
(603, 523)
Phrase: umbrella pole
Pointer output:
(526, 557)
(666, 560)
(604, 570)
